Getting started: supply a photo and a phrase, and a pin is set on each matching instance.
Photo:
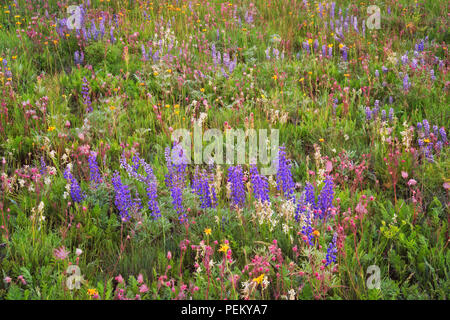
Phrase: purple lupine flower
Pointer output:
(235, 177)
(276, 53)
(43, 169)
(383, 115)
(421, 46)
(151, 188)
(443, 134)
(102, 29)
(404, 58)
(368, 113)
(260, 185)
(285, 183)
(201, 186)
(419, 126)
(316, 44)
(377, 73)
(267, 51)
(86, 96)
(111, 35)
(391, 100)
(248, 17)
(225, 75)
(435, 130)
(306, 46)
(151, 184)
(391, 115)
(324, 50)
(326, 196)
(433, 77)
(144, 55)
(420, 142)
(384, 69)
(406, 84)
(95, 175)
(175, 179)
(78, 57)
(330, 52)
(307, 229)
(331, 252)
(429, 153)
(344, 53)
(76, 193)
(309, 195)
(123, 199)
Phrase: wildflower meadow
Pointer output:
(224, 150)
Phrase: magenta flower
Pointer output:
(61, 253)
(143, 289)
(119, 278)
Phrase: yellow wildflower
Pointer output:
(224, 248)
(92, 292)
(259, 279)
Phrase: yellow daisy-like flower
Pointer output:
(224, 248)
(202, 89)
(426, 140)
(112, 108)
(275, 77)
(259, 279)
(207, 231)
(321, 140)
(316, 233)
(92, 292)
(51, 128)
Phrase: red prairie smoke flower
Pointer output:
(61, 253)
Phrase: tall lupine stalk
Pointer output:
(95, 175)
(285, 183)
(260, 185)
(235, 178)
(123, 199)
(175, 179)
(149, 179)
(86, 96)
(202, 186)
(331, 251)
(325, 198)
(76, 193)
